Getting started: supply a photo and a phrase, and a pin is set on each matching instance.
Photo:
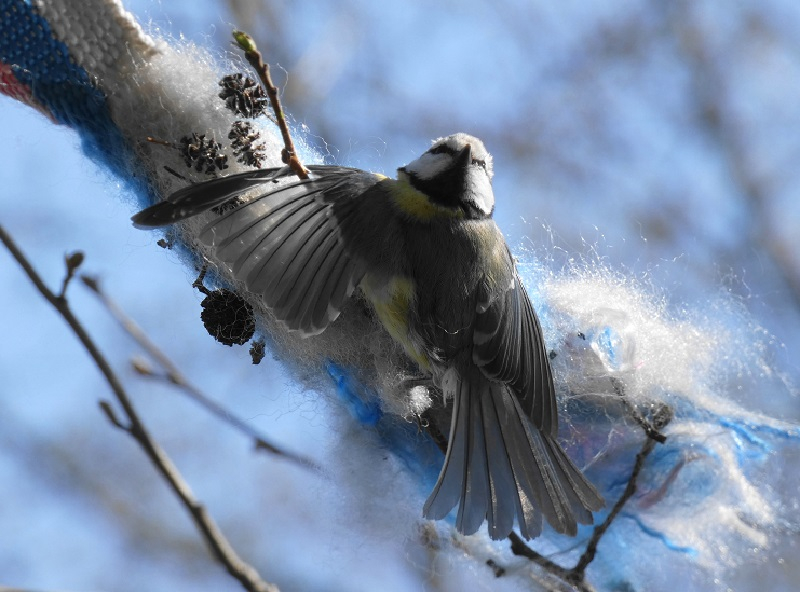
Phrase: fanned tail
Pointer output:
(499, 467)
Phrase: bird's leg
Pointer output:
(426, 421)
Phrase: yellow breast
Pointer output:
(416, 204)
(392, 299)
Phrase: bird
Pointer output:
(427, 255)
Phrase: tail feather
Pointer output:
(501, 476)
(471, 509)
(450, 484)
(499, 466)
(541, 493)
(583, 498)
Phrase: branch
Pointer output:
(219, 545)
(575, 576)
(651, 430)
(174, 376)
(577, 573)
(288, 155)
(661, 417)
(519, 548)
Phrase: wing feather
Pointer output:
(286, 242)
(509, 347)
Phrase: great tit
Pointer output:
(425, 252)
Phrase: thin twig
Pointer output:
(651, 431)
(577, 573)
(175, 173)
(288, 154)
(219, 545)
(111, 415)
(661, 417)
(575, 576)
(153, 140)
(174, 376)
(199, 282)
(73, 262)
(519, 548)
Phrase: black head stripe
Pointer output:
(442, 148)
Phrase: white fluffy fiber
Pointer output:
(702, 496)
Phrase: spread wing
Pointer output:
(201, 197)
(285, 243)
(509, 347)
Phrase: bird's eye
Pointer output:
(480, 163)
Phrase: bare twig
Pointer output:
(577, 573)
(652, 431)
(661, 418)
(199, 282)
(575, 576)
(518, 547)
(174, 376)
(73, 262)
(218, 544)
(153, 140)
(111, 415)
(288, 154)
(175, 173)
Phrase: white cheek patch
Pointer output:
(429, 165)
(479, 192)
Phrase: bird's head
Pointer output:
(456, 172)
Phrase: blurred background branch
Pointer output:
(133, 425)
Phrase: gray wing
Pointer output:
(509, 347)
(286, 242)
(201, 197)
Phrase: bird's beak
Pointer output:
(464, 158)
